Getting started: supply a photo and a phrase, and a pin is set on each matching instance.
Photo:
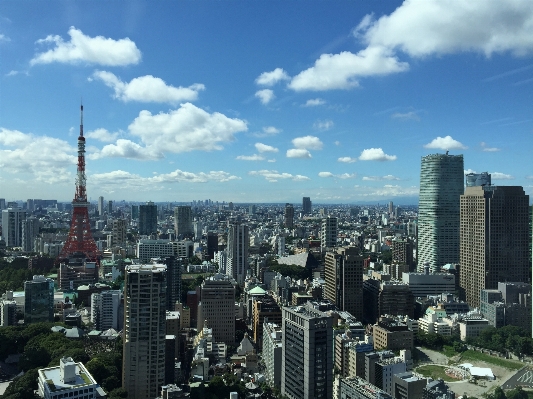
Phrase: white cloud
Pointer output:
(325, 174)
(49, 160)
(265, 96)
(93, 50)
(308, 143)
(314, 102)
(148, 89)
(265, 148)
(389, 190)
(273, 77)
(347, 160)
(126, 149)
(254, 157)
(274, 175)
(298, 153)
(341, 176)
(4, 38)
(407, 116)
(323, 125)
(102, 135)
(445, 144)
(379, 178)
(500, 176)
(375, 154)
(529, 177)
(468, 171)
(488, 149)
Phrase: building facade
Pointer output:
(38, 300)
(272, 353)
(105, 310)
(306, 205)
(289, 216)
(328, 232)
(238, 244)
(148, 219)
(183, 221)
(12, 221)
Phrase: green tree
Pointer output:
(517, 393)
(498, 394)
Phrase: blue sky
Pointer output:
(262, 101)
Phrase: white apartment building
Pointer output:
(105, 309)
(272, 352)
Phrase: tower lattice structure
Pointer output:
(80, 242)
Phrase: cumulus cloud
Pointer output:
(488, 149)
(379, 178)
(500, 176)
(273, 175)
(82, 48)
(273, 77)
(308, 143)
(298, 153)
(341, 176)
(265, 95)
(468, 171)
(375, 154)
(126, 149)
(314, 102)
(323, 125)
(102, 135)
(347, 160)
(389, 190)
(49, 160)
(148, 89)
(254, 157)
(406, 116)
(265, 148)
(445, 144)
(325, 174)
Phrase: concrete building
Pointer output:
(392, 335)
(328, 232)
(143, 368)
(356, 355)
(264, 308)
(380, 368)
(149, 249)
(38, 300)
(12, 221)
(471, 326)
(386, 298)
(119, 232)
(272, 353)
(183, 221)
(424, 284)
(307, 365)
(402, 252)
(30, 230)
(358, 388)
(238, 244)
(174, 269)
(68, 380)
(344, 280)
(306, 205)
(408, 386)
(441, 184)
(148, 219)
(289, 216)
(494, 239)
(8, 311)
(434, 322)
(509, 304)
(437, 389)
(217, 307)
(101, 206)
(105, 310)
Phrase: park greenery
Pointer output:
(292, 271)
(14, 273)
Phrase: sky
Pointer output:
(262, 101)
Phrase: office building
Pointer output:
(424, 284)
(143, 368)
(272, 353)
(386, 298)
(38, 300)
(183, 221)
(441, 185)
(105, 310)
(149, 249)
(344, 280)
(217, 307)
(402, 252)
(289, 216)
(12, 222)
(101, 207)
(307, 365)
(174, 266)
(119, 232)
(391, 334)
(148, 219)
(30, 230)
(380, 367)
(328, 232)
(134, 212)
(358, 388)
(109, 207)
(509, 304)
(357, 351)
(212, 244)
(494, 242)
(8, 310)
(68, 380)
(408, 386)
(437, 389)
(306, 205)
(264, 308)
(238, 243)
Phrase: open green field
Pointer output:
(473, 356)
(434, 372)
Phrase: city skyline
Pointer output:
(262, 102)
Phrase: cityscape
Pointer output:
(142, 258)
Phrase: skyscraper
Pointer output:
(328, 232)
(143, 367)
(173, 281)
(30, 230)
(101, 208)
(148, 218)
(344, 280)
(238, 242)
(119, 232)
(105, 310)
(183, 221)
(494, 239)
(38, 300)
(306, 205)
(12, 221)
(289, 216)
(441, 185)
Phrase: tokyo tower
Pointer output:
(80, 243)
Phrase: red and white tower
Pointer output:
(80, 243)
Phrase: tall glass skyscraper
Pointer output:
(441, 185)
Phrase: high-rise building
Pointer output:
(306, 205)
(391, 207)
(217, 307)
(494, 239)
(12, 221)
(174, 265)
(8, 310)
(441, 185)
(30, 230)
(101, 208)
(143, 368)
(70, 378)
(105, 310)
(2, 204)
(109, 207)
(135, 212)
(328, 232)
(119, 232)
(307, 361)
(183, 221)
(344, 280)
(272, 353)
(289, 216)
(148, 218)
(38, 300)
(212, 244)
(238, 242)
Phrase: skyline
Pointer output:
(262, 102)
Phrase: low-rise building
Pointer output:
(392, 334)
(408, 386)
(358, 388)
